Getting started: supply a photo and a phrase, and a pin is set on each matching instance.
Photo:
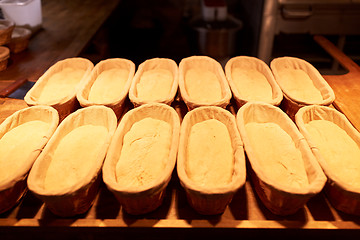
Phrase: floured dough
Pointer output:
(252, 84)
(277, 154)
(60, 85)
(144, 153)
(17, 145)
(108, 85)
(202, 85)
(210, 160)
(74, 156)
(299, 85)
(339, 150)
(154, 84)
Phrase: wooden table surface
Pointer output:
(347, 86)
(67, 28)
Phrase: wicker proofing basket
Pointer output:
(146, 198)
(4, 57)
(208, 200)
(150, 64)
(291, 104)
(247, 63)
(342, 195)
(206, 63)
(78, 197)
(117, 104)
(68, 103)
(19, 39)
(13, 188)
(6, 30)
(278, 197)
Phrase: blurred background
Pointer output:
(141, 29)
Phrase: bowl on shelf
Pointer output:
(6, 29)
(19, 39)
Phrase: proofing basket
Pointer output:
(290, 103)
(116, 104)
(13, 188)
(211, 200)
(280, 198)
(152, 64)
(246, 63)
(77, 197)
(67, 104)
(148, 197)
(342, 195)
(208, 64)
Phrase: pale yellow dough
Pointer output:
(145, 152)
(154, 84)
(210, 160)
(299, 85)
(108, 85)
(339, 150)
(61, 84)
(17, 145)
(252, 84)
(202, 85)
(277, 154)
(74, 156)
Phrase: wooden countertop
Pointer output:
(347, 86)
(67, 28)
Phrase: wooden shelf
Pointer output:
(244, 212)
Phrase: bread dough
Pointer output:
(252, 84)
(17, 144)
(74, 156)
(145, 152)
(202, 85)
(299, 85)
(277, 154)
(210, 160)
(60, 85)
(154, 84)
(338, 149)
(108, 85)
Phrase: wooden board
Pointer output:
(245, 211)
(346, 87)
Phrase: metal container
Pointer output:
(216, 39)
(24, 13)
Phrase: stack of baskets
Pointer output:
(12, 39)
(6, 29)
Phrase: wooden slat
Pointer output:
(4, 92)
(244, 212)
(179, 223)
